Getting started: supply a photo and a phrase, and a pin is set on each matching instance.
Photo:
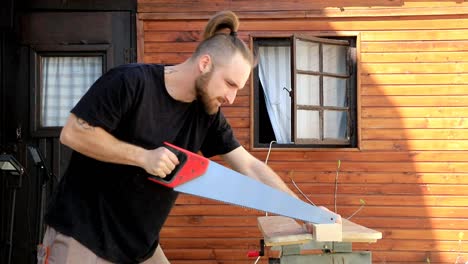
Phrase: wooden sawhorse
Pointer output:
(332, 241)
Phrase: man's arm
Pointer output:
(243, 162)
(97, 143)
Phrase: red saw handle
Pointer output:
(190, 166)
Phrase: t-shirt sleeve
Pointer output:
(106, 101)
(220, 138)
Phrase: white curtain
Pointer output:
(63, 81)
(275, 75)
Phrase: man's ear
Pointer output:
(204, 63)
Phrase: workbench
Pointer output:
(333, 242)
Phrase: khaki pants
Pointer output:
(60, 249)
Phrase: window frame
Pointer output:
(36, 89)
(331, 38)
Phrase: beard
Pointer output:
(201, 87)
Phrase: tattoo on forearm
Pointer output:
(84, 124)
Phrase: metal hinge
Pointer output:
(129, 55)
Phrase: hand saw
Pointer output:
(197, 175)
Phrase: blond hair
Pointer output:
(220, 39)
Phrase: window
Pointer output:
(64, 79)
(61, 77)
(305, 92)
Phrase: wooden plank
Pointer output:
(454, 167)
(150, 13)
(259, 5)
(407, 100)
(166, 30)
(185, 24)
(441, 123)
(410, 46)
(416, 35)
(344, 210)
(165, 47)
(166, 58)
(251, 221)
(429, 234)
(399, 198)
(204, 243)
(307, 156)
(403, 145)
(412, 256)
(209, 221)
(238, 122)
(397, 57)
(411, 223)
(210, 232)
(429, 3)
(379, 26)
(405, 211)
(238, 111)
(427, 89)
(409, 68)
(416, 199)
(377, 177)
(404, 244)
(393, 79)
(370, 190)
(416, 134)
(353, 232)
(158, 35)
(410, 111)
(279, 230)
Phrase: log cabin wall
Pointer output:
(410, 166)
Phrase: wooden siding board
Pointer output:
(259, 5)
(417, 56)
(410, 100)
(414, 46)
(414, 68)
(454, 123)
(415, 89)
(370, 26)
(415, 111)
(416, 134)
(414, 35)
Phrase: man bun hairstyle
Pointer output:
(220, 22)
(220, 39)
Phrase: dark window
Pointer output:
(62, 74)
(305, 92)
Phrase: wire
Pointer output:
(258, 258)
(336, 183)
(355, 212)
(269, 150)
(303, 194)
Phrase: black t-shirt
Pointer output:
(112, 209)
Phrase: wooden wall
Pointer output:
(412, 161)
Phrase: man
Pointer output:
(105, 210)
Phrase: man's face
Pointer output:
(220, 85)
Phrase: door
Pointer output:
(59, 55)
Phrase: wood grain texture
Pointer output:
(410, 166)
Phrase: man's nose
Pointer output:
(231, 95)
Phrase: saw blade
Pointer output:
(226, 185)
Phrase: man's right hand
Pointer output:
(160, 162)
